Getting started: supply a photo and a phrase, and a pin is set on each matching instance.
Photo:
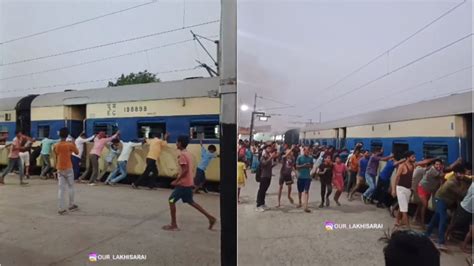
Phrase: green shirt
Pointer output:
(451, 192)
(304, 173)
(46, 145)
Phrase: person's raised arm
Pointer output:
(425, 162)
(399, 162)
(113, 136)
(165, 139)
(451, 166)
(386, 158)
(90, 138)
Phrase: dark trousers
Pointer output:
(76, 166)
(92, 170)
(351, 180)
(262, 190)
(381, 192)
(150, 169)
(12, 162)
(326, 189)
(45, 165)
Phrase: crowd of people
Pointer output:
(401, 182)
(69, 152)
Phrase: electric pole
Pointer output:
(228, 133)
(252, 118)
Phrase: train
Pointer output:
(440, 127)
(185, 107)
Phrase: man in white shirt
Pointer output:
(120, 171)
(76, 158)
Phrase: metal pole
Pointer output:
(228, 132)
(252, 118)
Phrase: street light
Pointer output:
(244, 107)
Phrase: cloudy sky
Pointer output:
(24, 18)
(300, 57)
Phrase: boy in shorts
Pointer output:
(304, 164)
(184, 186)
(287, 166)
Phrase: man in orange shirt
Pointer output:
(184, 186)
(64, 151)
(353, 166)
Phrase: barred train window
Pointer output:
(108, 128)
(399, 149)
(204, 129)
(435, 150)
(157, 129)
(374, 145)
(43, 132)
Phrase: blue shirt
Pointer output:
(387, 170)
(304, 173)
(363, 166)
(248, 154)
(206, 158)
(46, 145)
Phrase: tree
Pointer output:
(132, 78)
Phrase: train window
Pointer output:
(374, 145)
(157, 129)
(8, 117)
(108, 128)
(435, 150)
(399, 149)
(207, 129)
(43, 132)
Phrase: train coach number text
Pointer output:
(135, 109)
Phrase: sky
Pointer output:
(22, 18)
(297, 57)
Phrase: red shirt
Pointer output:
(186, 163)
(15, 148)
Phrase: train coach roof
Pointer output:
(9, 103)
(443, 106)
(140, 92)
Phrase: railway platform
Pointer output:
(289, 236)
(111, 221)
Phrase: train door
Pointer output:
(399, 148)
(342, 137)
(74, 119)
(23, 114)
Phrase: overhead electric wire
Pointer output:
(395, 46)
(391, 72)
(75, 23)
(271, 100)
(108, 44)
(98, 60)
(93, 81)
